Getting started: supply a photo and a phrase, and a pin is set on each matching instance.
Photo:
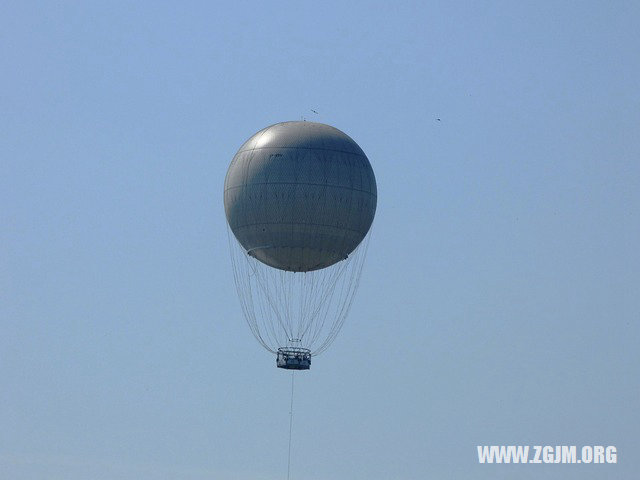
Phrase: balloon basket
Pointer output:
(293, 358)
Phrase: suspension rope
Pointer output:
(290, 427)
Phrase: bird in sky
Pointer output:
(315, 111)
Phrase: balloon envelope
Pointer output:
(300, 196)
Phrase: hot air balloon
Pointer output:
(300, 198)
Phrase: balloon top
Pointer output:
(302, 134)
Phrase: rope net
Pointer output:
(299, 309)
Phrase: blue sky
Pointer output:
(500, 299)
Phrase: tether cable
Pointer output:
(290, 427)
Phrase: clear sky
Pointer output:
(500, 299)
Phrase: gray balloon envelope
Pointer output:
(300, 196)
